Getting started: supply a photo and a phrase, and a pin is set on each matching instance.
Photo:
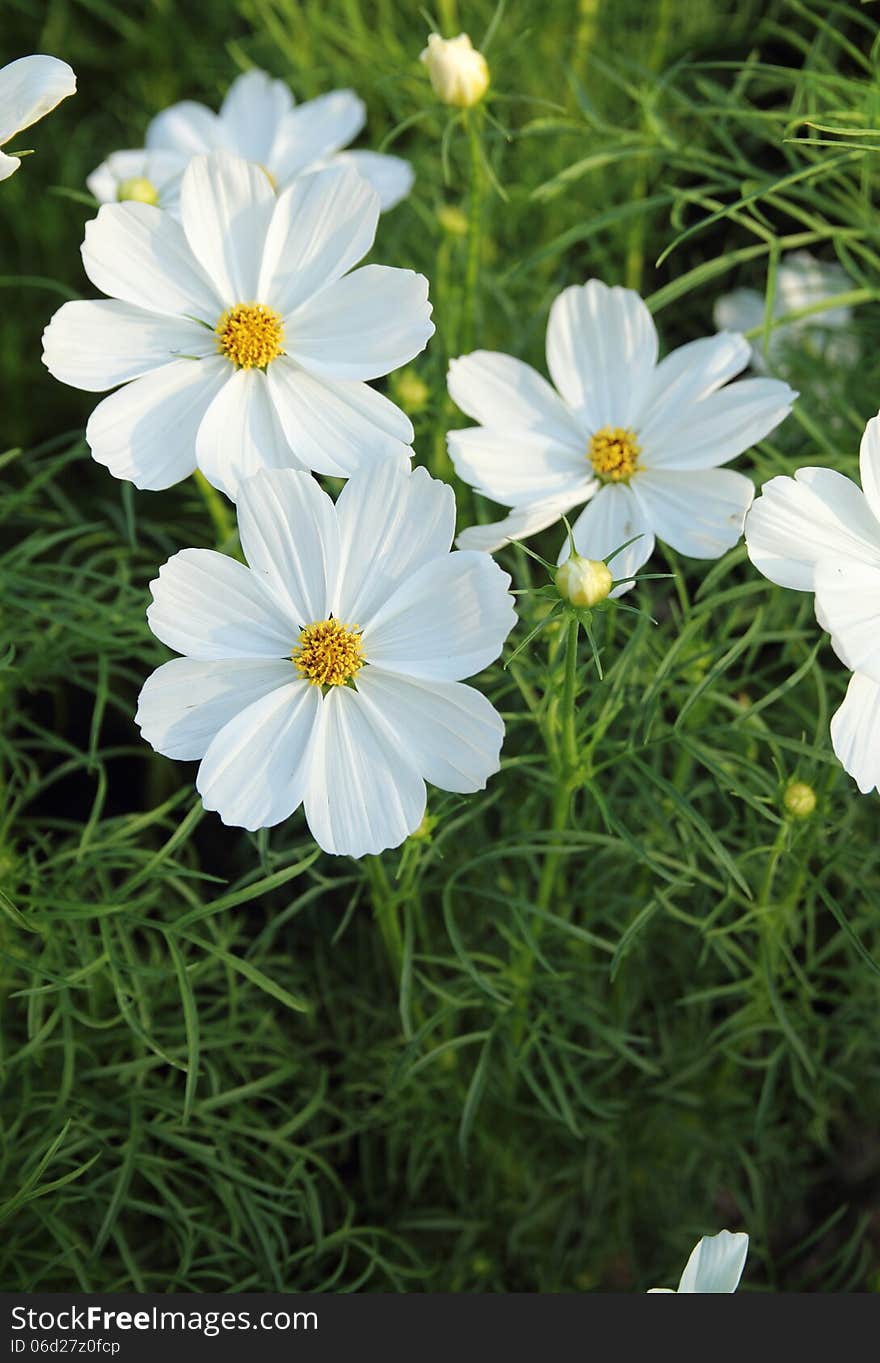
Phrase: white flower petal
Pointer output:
(163, 169)
(848, 601)
(97, 344)
(601, 352)
(186, 702)
(704, 434)
(315, 130)
(226, 205)
(363, 796)
(240, 433)
(446, 621)
(449, 732)
(288, 530)
(138, 253)
(251, 114)
(504, 393)
(613, 516)
(391, 522)
(30, 88)
(146, 432)
(519, 469)
(855, 732)
(796, 521)
(701, 513)
(322, 225)
(391, 176)
(688, 375)
(256, 769)
(869, 466)
(8, 165)
(363, 326)
(209, 606)
(522, 522)
(716, 1263)
(188, 128)
(336, 427)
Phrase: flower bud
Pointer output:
(139, 189)
(583, 581)
(799, 799)
(458, 72)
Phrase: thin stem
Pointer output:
(473, 123)
(385, 912)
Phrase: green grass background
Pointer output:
(501, 1058)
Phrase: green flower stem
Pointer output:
(221, 517)
(385, 912)
(473, 125)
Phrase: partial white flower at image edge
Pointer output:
(329, 672)
(716, 1264)
(260, 121)
(30, 88)
(243, 335)
(638, 439)
(820, 532)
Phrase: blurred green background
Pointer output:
(212, 1076)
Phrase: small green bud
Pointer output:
(583, 581)
(799, 799)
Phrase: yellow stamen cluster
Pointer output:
(250, 335)
(328, 653)
(614, 454)
(139, 189)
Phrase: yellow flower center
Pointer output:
(328, 653)
(138, 188)
(614, 454)
(250, 335)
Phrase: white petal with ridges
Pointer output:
(522, 522)
(209, 606)
(704, 434)
(391, 176)
(315, 130)
(869, 466)
(188, 128)
(855, 732)
(30, 88)
(446, 621)
(136, 252)
(256, 770)
(701, 513)
(716, 1263)
(252, 112)
(322, 225)
(519, 468)
(448, 731)
(363, 795)
(363, 326)
(691, 373)
(391, 522)
(848, 600)
(146, 431)
(226, 204)
(289, 535)
(97, 344)
(502, 392)
(186, 701)
(240, 434)
(796, 521)
(601, 352)
(336, 426)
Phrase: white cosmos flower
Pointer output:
(819, 531)
(241, 337)
(30, 88)
(715, 1265)
(259, 121)
(639, 441)
(328, 673)
(801, 282)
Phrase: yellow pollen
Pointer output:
(614, 454)
(138, 188)
(250, 335)
(328, 653)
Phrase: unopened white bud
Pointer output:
(458, 72)
(583, 581)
